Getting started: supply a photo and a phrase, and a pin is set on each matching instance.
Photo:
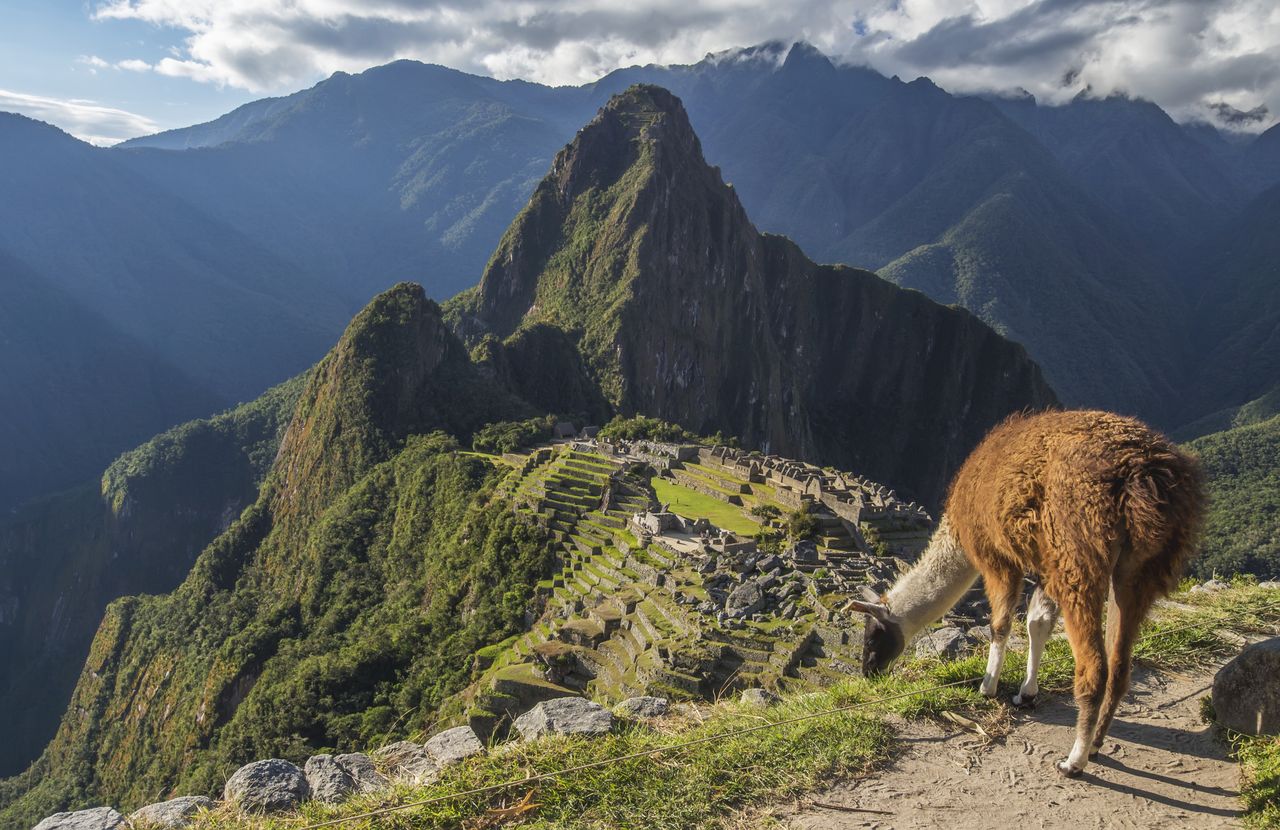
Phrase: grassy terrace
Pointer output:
(725, 782)
(694, 505)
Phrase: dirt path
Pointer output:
(1161, 767)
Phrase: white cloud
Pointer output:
(87, 120)
(1186, 55)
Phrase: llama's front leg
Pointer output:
(1042, 613)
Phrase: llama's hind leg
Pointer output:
(1130, 601)
(1004, 592)
(1084, 629)
(1042, 613)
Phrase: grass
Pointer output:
(1260, 765)
(694, 505)
(717, 783)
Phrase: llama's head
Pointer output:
(882, 639)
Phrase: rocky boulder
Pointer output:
(1246, 691)
(643, 707)
(758, 697)
(453, 746)
(565, 716)
(269, 786)
(360, 767)
(746, 599)
(946, 642)
(98, 818)
(329, 781)
(407, 760)
(171, 814)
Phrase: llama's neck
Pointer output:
(936, 583)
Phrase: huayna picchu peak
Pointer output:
(637, 250)
(387, 579)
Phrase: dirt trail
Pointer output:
(1161, 767)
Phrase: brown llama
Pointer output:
(1091, 503)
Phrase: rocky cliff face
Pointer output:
(681, 309)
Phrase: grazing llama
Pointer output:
(1089, 502)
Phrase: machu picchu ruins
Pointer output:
(684, 577)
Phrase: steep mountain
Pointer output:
(855, 167)
(349, 592)
(1169, 189)
(63, 558)
(344, 606)
(1237, 333)
(76, 389)
(637, 249)
(1242, 534)
(131, 287)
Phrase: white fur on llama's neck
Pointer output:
(936, 583)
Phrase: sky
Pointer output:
(106, 70)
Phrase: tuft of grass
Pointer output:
(1260, 768)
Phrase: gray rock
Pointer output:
(643, 707)
(758, 697)
(453, 746)
(97, 818)
(1246, 691)
(329, 781)
(945, 642)
(565, 716)
(267, 786)
(746, 599)
(360, 767)
(171, 814)
(1210, 587)
(408, 761)
(804, 552)
(769, 563)
(1270, 584)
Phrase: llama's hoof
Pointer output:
(991, 692)
(1022, 701)
(1067, 771)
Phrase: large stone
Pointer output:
(1270, 585)
(646, 706)
(746, 599)
(1246, 691)
(946, 642)
(758, 697)
(565, 716)
(330, 782)
(171, 814)
(453, 746)
(408, 761)
(269, 786)
(360, 767)
(97, 818)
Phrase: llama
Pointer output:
(1101, 509)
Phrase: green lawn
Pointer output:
(694, 505)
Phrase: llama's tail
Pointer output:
(1164, 501)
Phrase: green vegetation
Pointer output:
(639, 427)
(694, 505)
(509, 436)
(1260, 759)
(1242, 534)
(719, 783)
(801, 524)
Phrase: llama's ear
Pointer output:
(875, 609)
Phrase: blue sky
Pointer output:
(46, 51)
(109, 69)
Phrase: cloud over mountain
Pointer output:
(1187, 55)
